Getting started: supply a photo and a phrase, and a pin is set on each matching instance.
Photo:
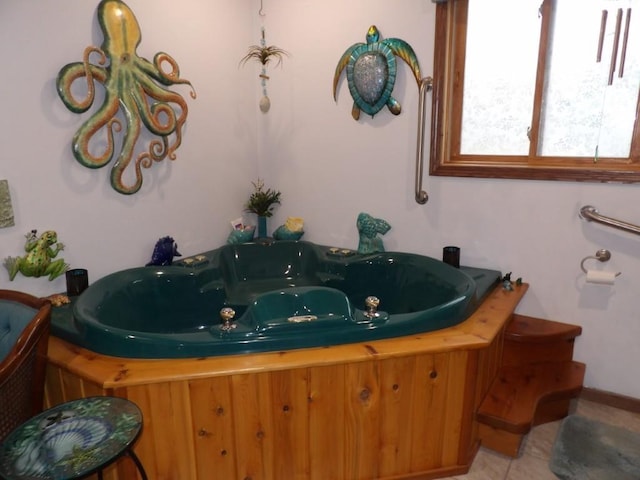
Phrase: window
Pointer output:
(548, 91)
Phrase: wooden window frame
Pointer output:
(445, 157)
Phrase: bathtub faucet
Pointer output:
(371, 304)
(227, 314)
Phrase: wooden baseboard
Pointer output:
(611, 399)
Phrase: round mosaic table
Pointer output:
(72, 440)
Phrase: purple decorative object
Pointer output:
(166, 248)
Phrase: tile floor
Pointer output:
(533, 462)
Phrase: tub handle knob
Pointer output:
(371, 304)
(227, 314)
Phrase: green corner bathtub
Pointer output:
(286, 295)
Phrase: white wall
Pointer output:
(191, 198)
(328, 166)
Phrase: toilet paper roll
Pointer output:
(601, 277)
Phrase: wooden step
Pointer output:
(535, 383)
(515, 394)
(530, 340)
(525, 329)
(522, 396)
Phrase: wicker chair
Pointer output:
(25, 323)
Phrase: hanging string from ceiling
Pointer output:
(265, 103)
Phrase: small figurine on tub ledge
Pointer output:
(38, 260)
(369, 228)
(293, 229)
(166, 248)
(507, 283)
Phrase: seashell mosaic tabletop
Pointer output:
(70, 440)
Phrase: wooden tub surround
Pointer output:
(402, 408)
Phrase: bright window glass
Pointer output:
(582, 115)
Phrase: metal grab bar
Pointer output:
(590, 213)
(425, 86)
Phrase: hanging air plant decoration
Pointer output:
(263, 54)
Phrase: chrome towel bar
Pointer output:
(590, 213)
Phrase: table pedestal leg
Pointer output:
(135, 459)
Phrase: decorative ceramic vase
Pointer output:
(241, 236)
(262, 226)
(283, 233)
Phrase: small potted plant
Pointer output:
(261, 202)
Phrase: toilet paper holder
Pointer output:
(602, 255)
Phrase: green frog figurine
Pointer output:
(38, 260)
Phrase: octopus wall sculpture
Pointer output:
(133, 86)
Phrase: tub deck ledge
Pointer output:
(115, 372)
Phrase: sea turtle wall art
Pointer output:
(371, 72)
(135, 96)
